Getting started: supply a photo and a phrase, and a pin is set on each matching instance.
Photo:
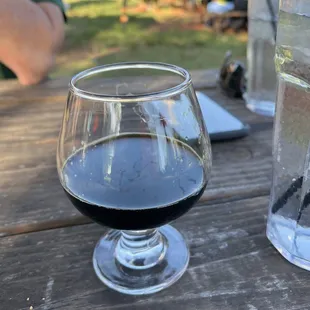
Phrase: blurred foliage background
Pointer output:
(168, 33)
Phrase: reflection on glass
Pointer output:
(134, 156)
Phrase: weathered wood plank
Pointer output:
(12, 91)
(26, 121)
(51, 96)
(232, 266)
(31, 196)
(43, 151)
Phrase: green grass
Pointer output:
(96, 36)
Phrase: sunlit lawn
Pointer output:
(96, 36)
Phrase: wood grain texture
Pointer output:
(46, 245)
(232, 266)
(31, 197)
(12, 91)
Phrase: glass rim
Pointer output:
(162, 94)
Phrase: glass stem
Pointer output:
(140, 249)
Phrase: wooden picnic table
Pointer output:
(46, 244)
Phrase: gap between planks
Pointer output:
(210, 197)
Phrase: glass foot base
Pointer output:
(137, 281)
(291, 257)
(262, 107)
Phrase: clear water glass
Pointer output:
(288, 225)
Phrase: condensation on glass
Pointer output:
(288, 225)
